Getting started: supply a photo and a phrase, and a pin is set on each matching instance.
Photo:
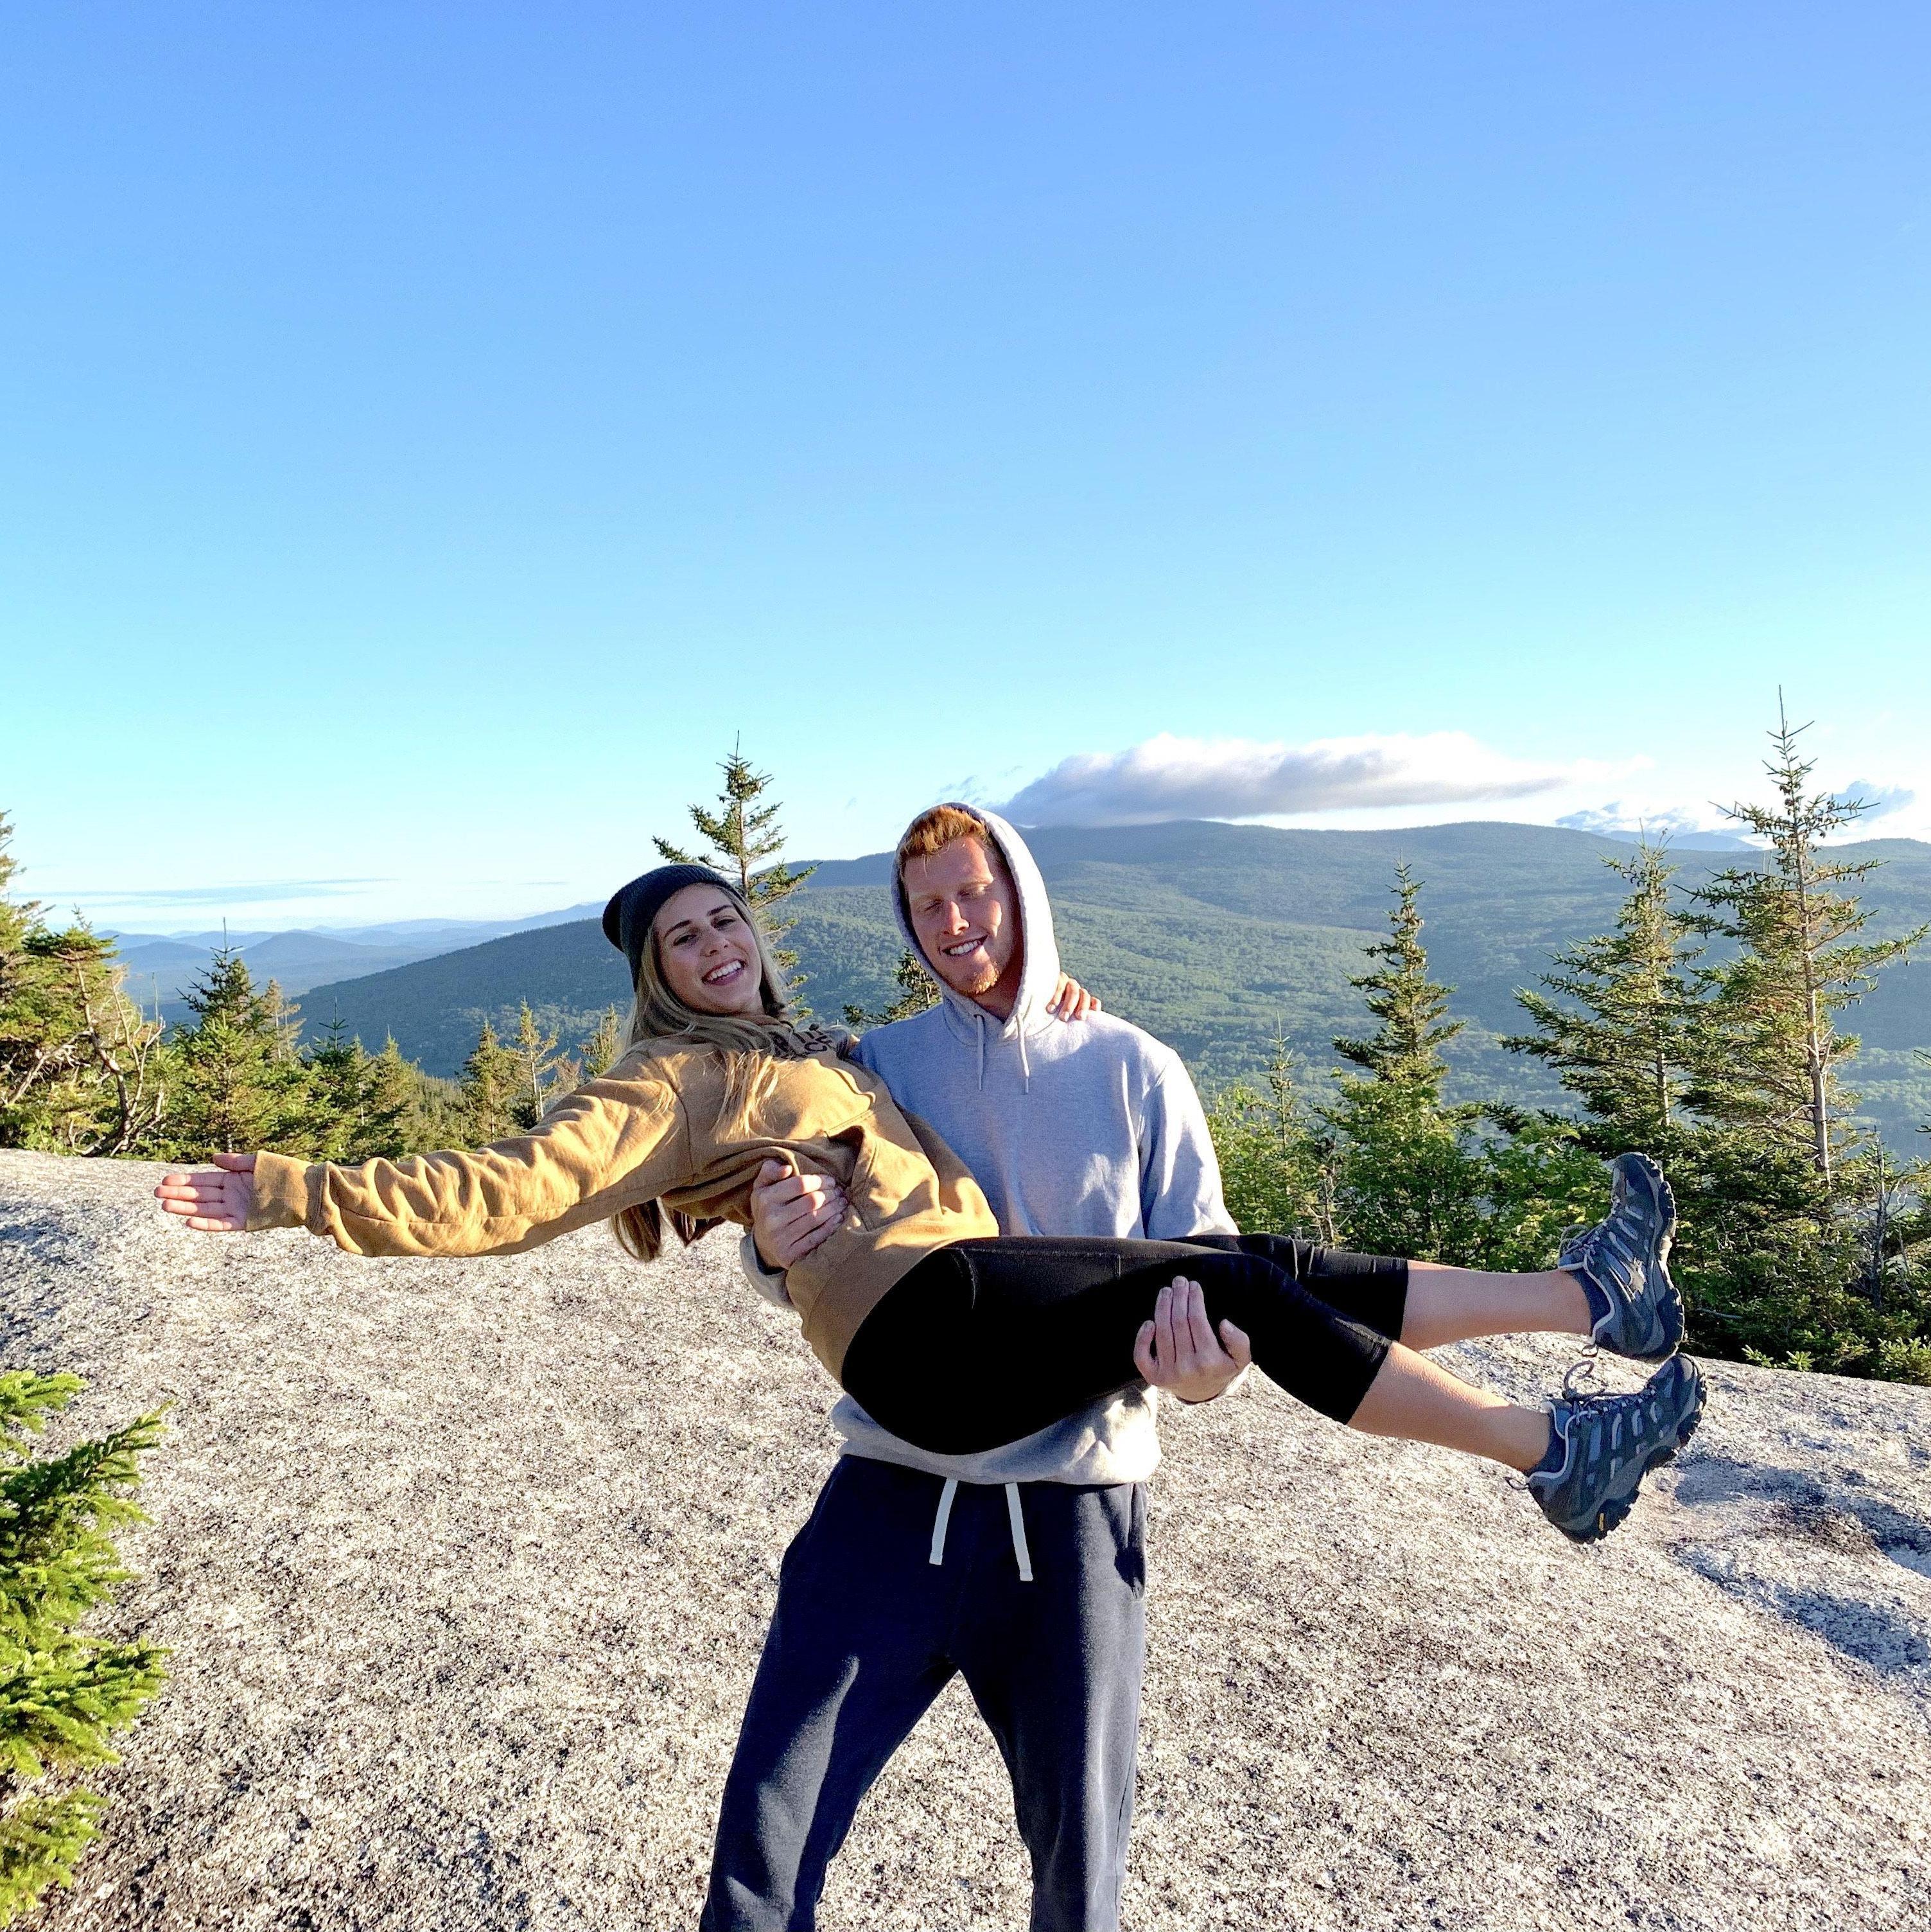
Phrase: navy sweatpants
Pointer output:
(867, 1633)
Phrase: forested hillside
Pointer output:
(1212, 936)
(1352, 1040)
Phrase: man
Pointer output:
(1022, 1569)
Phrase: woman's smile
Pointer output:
(707, 953)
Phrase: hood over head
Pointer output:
(1040, 973)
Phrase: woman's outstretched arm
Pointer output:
(620, 1140)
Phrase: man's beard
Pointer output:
(981, 981)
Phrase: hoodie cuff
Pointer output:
(770, 1283)
(280, 1197)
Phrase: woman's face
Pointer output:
(706, 953)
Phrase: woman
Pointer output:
(915, 1304)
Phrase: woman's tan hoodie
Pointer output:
(689, 1125)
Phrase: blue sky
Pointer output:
(432, 433)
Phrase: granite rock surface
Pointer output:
(465, 1566)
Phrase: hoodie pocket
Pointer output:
(862, 1191)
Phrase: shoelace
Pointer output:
(1585, 1247)
(1641, 1410)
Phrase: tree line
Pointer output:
(83, 1070)
(1703, 1029)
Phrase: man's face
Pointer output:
(966, 915)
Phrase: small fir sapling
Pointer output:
(63, 1689)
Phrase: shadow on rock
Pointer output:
(1832, 1555)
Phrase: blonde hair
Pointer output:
(657, 1016)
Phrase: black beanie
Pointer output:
(627, 918)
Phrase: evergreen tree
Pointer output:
(1775, 1259)
(1277, 1166)
(362, 1106)
(915, 990)
(1407, 1179)
(402, 1112)
(537, 1068)
(745, 835)
(1538, 1179)
(63, 1691)
(338, 1094)
(598, 1052)
(81, 1070)
(241, 1085)
(1775, 1065)
(1403, 1053)
(1729, 1073)
(1623, 1035)
(489, 1090)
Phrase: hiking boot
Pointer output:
(1608, 1443)
(1622, 1263)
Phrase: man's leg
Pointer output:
(1055, 1665)
(853, 1661)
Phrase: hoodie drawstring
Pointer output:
(942, 1519)
(1021, 1554)
(982, 1025)
(1015, 1517)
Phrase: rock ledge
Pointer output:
(465, 1567)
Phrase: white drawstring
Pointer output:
(1015, 1515)
(944, 1517)
(1020, 1553)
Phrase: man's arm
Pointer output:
(1179, 1195)
(1180, 1172)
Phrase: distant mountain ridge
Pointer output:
(162, 967)
(1210, 935)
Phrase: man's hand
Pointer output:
(791, 1214)
(1071, 1000)
(213, 1200)
(1177, 1350)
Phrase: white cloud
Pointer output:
(1628, 818)
(279, 892)
(1706, 824)
(1167, 777)
(1881, 801)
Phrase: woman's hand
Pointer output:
(214, 1201)
(1071, 1000)
(1177, 1350)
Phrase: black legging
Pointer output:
(984, 1341)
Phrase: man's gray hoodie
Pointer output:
(1093, 1128)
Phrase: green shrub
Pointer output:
(63, 1689)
